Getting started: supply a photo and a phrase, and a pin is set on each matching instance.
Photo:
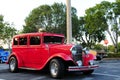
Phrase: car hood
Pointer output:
(60, 48)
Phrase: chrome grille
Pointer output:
(78, 55)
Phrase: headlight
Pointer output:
(87, 52)
(76, 49)
(73, 50)
(79, 63)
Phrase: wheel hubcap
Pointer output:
(54, 69)
(12, 64)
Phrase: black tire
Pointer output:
(99, 58)
(13, 64)
(88, 72)
(57, 68)
(0, 61)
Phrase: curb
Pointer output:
(111, 59)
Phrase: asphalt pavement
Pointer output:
(109, 69)
(106, 60)
(3, 66)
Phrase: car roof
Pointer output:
(40, 33)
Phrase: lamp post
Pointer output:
(69, 25)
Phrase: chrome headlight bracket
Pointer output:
(79, 63)
(91, 62)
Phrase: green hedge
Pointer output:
(114, 55)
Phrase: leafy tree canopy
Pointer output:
(6, 31)
(1, 26)
(51, 19)
(98, 19)
(92, 27)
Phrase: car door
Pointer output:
(38, 54)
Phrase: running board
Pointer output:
(28, 68)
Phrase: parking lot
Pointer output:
(108, 70)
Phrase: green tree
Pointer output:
(51, 18)
(103, 16)
(38, 18)
(1, 26)
(112, 15)
(92, 27)
(111, 48)
(8, 32)
(117, 0)
(119, 47)
(99, 47)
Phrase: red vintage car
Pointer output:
(37, 51)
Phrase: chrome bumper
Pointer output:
(82, 68)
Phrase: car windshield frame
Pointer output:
(53, 39)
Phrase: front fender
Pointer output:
(92, 56)
(57, 55)
(87, 58)
(62, 56)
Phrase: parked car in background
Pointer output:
(4, 56)
(38, 51)
(101, 54)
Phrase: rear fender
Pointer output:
(19, 59)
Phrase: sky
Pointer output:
(15, 11)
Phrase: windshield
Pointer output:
(53, 39)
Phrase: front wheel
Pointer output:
(13, 65)
(57, 68)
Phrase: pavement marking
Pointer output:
(107, 75)
(38, 78)
(2, 79)
(88, 79)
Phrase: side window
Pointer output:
(35, 40)
(23, 41)
(15, 41)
